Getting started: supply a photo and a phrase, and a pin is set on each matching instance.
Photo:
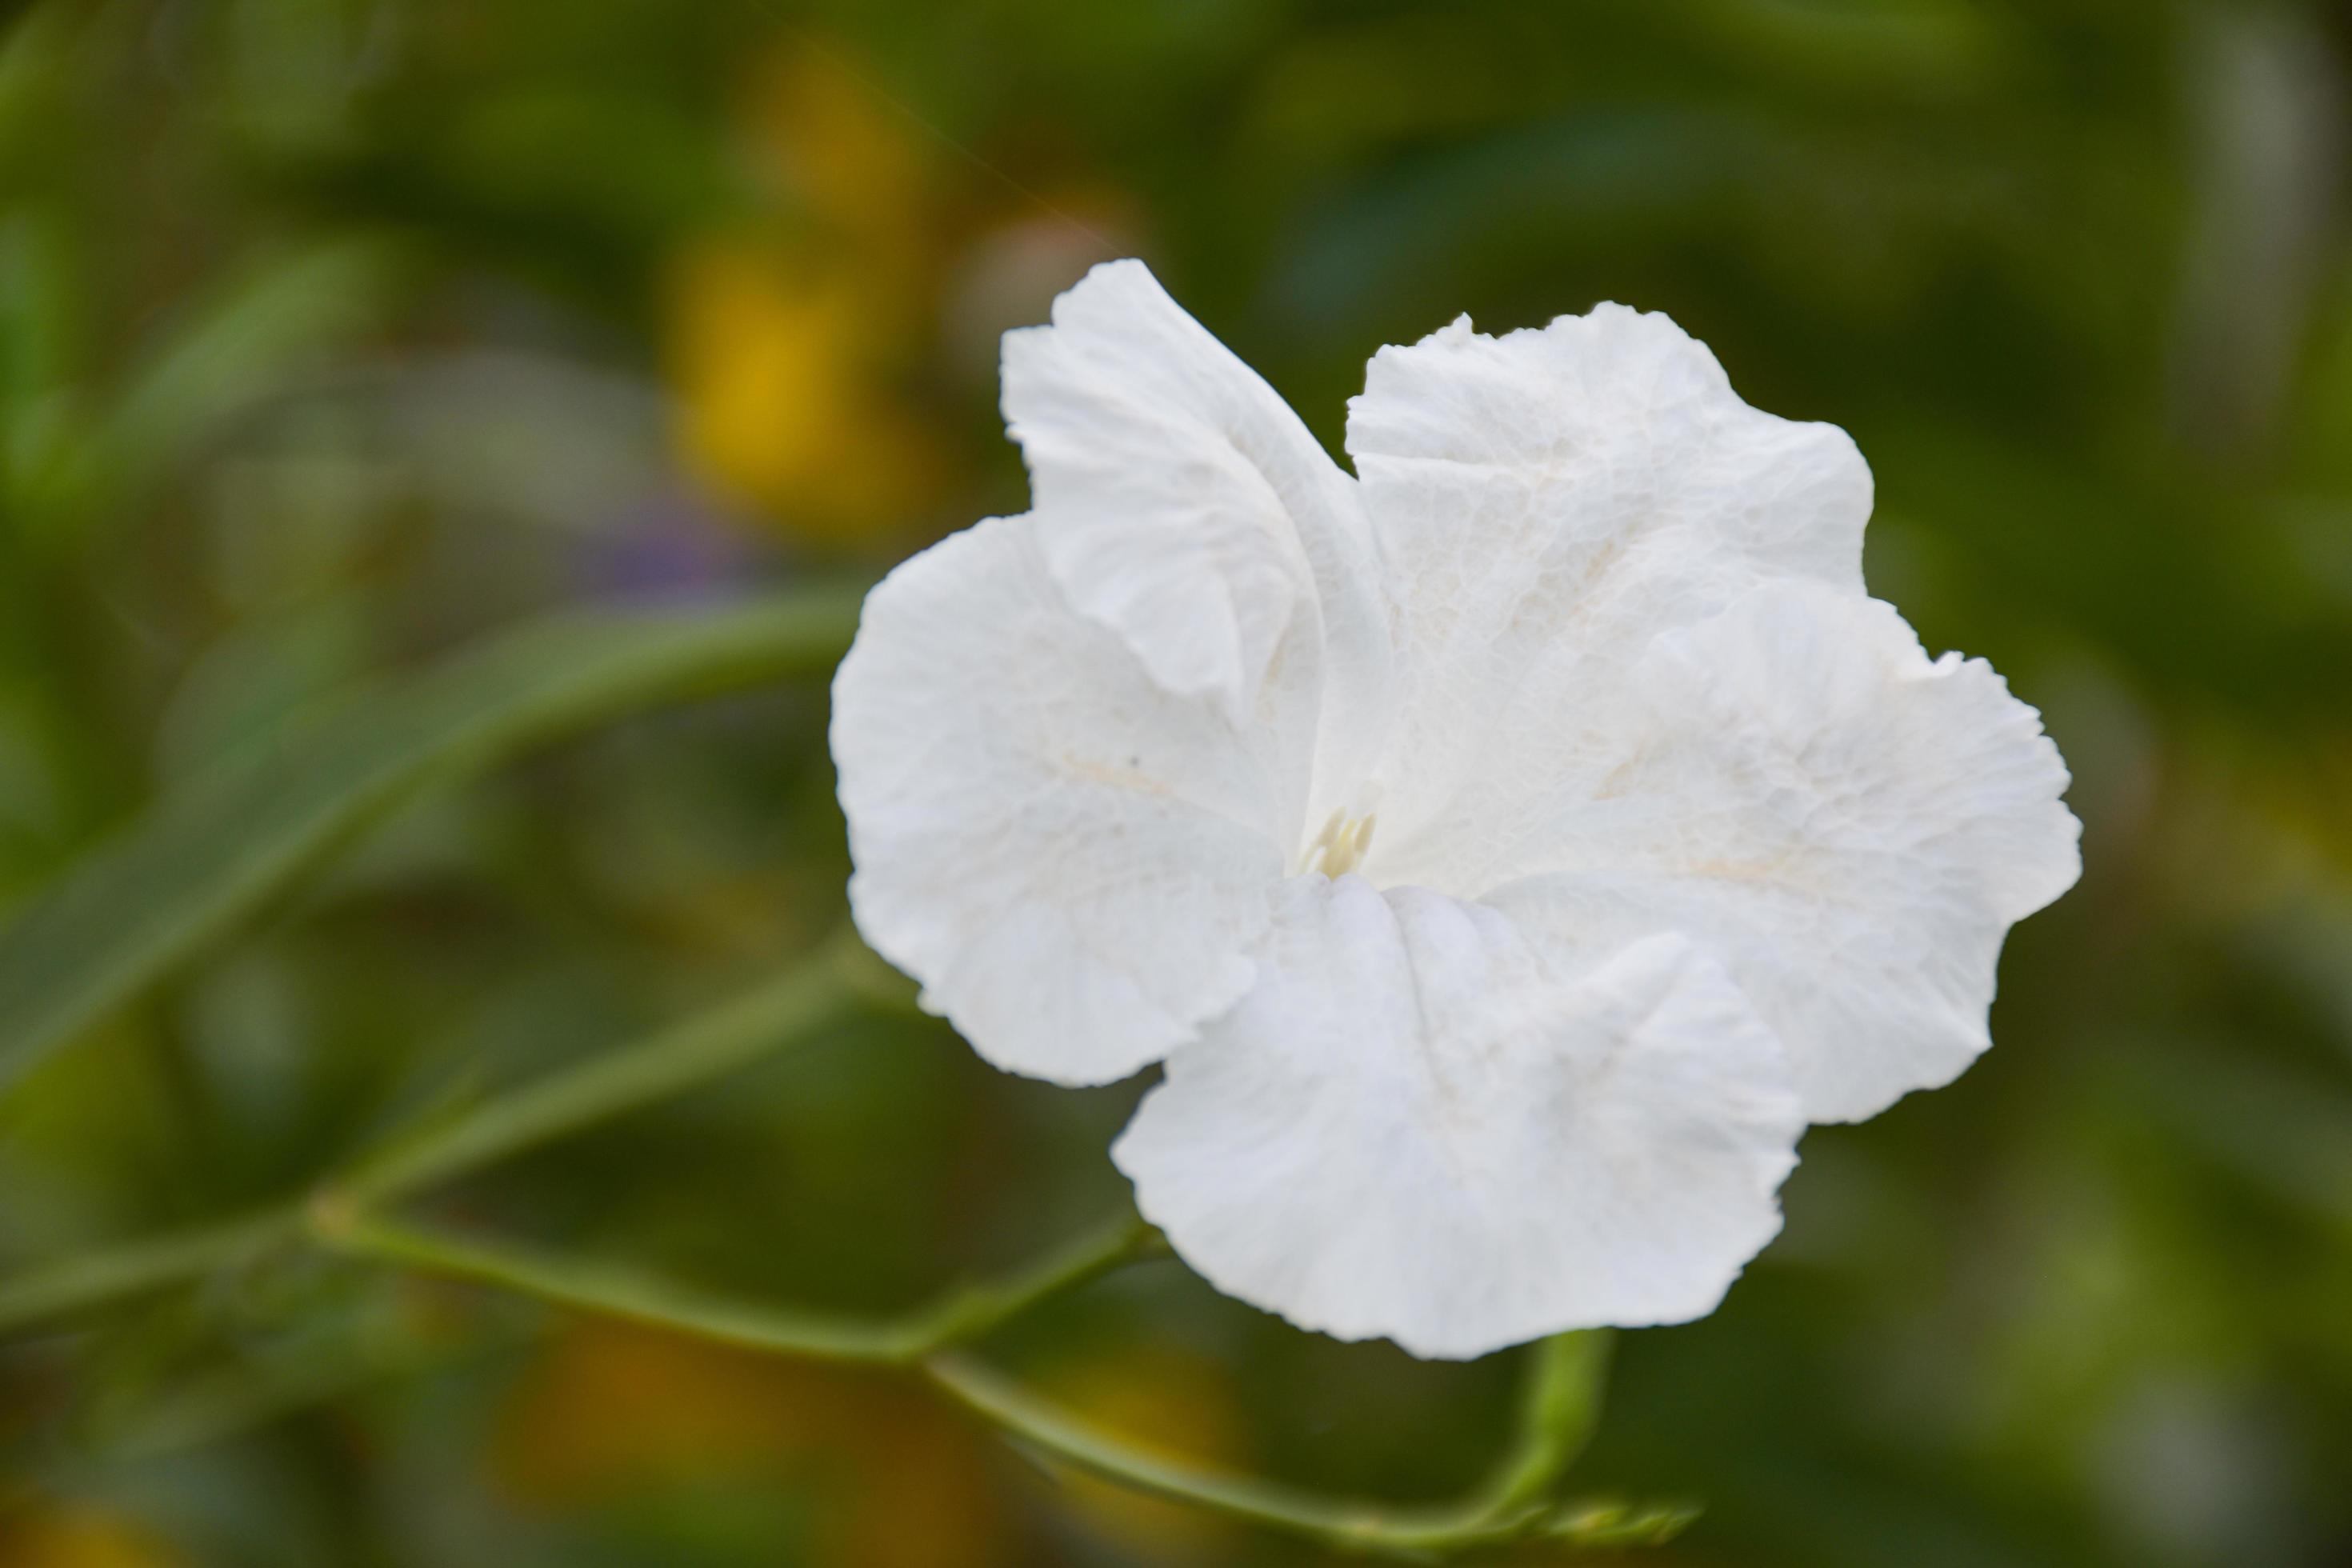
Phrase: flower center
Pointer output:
(1339, 848)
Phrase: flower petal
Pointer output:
(1070, 859)
(1849, 827)
(1548, 501)
(1415, 1126)
(1181, 501)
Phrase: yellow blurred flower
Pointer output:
(786, 354)
(781, 405)
(80, 1536)
(896, 1482)
(1177, 1404)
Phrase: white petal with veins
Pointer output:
(1851, 826)
(1072, 859)
(1549, 500)
(1507, 850)
(1182, 502)
(1418, 1125)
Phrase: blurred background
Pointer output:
(335, 333)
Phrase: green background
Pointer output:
(337, 335)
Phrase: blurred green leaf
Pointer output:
(43, 322)
(211, 854)
(244, 342)
(33, 56)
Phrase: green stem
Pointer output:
(1563, 1388)
(974, 1311)
(93, 1279)
(613, 1292)
(1559, 1406)
(789, 1010)
(1343, 1523)
(917, 1342)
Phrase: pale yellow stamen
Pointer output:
(1339, 848)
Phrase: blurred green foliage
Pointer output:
(335, 333)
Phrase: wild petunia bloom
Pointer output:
(1508, 849)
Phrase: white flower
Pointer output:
(1508, 849)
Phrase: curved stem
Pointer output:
(790, 1009)
(93, 1279)
(1344, 1523)
(917, 1343)
(1559, 1408)
(973, 1311)
(619, 1292)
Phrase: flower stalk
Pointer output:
(1559, 1406)
(794, 1008)
(923, 1342)
(348, 1216)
